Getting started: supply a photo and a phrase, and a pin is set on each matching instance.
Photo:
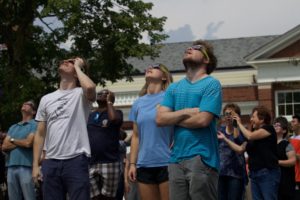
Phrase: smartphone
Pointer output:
(234, 123)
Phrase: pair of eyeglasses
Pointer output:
(154, 66)
(72, 61)
(197, 47)
(104, 92)
(69, 61)
(227, 114)
(29, 104)
(201, 48)
(277, 125)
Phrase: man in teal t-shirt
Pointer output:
(193, 105)
(18, 146)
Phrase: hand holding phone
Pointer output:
(234, 123)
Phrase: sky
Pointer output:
(188, 20)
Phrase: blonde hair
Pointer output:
(165, 83)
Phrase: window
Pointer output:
(287, 103)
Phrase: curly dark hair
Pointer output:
(263, 113)
(283, 123)
(211, 66)
(296, 116)
(232, 106)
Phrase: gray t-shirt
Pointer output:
(65, 113)
(289, 148)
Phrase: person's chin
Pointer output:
(187, 59)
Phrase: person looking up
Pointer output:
(62, 132)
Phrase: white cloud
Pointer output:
(241, 18)
(183, 33)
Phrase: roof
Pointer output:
(230, 53)
(279, 43)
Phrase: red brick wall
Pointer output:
(245, 93)
(266, 98)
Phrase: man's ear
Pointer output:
(205, 60)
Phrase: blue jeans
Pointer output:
(264, 184)
(192, 180)
(230, 188)
(66, 176)
(20, 184)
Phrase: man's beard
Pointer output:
(189, 63)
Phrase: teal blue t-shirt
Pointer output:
(21, 156)
(206, 94)
(154, 141)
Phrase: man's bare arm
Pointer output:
(88, 86)
(7, 145)
(197, 120)
(38, 144)
(26, 143)
(165, 116)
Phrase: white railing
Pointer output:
(125, 98)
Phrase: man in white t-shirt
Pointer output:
(62, 119)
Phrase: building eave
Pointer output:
(275, 45)
(270, 62)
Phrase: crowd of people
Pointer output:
(181, 147)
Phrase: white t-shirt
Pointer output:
(65, 113)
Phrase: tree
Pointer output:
(105, 32)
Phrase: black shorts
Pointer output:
(152, 175)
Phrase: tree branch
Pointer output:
(45, 23)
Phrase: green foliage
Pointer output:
(105, 32)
